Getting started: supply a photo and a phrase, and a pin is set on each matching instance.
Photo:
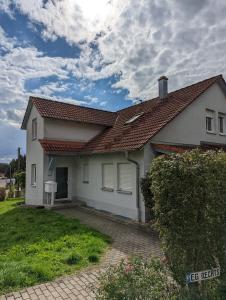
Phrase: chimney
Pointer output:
(163, 87)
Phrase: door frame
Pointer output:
(68, 196)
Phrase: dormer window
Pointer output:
(210, 121)
(34, 129)
(134, 118)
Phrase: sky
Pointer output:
(105, 54)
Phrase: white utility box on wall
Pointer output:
(50, 189)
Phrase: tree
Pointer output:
(14, 165)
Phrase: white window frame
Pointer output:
(34, 129)
(121, 189)
(33, 175)
(222, 117)
(109, 188)
(134, 118)
(85, 172)
(210, 114)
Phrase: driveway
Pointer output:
(127, 241)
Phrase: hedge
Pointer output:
(189, 194)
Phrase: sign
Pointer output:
(202, 275)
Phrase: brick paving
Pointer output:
(127, 241)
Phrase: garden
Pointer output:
(38, 245)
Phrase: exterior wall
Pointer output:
(66, 130)
(34, 155)
(189, 127)
(115, 202)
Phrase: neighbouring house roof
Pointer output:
(167, 148)
(53, 146)
(119, 134)
(171, 148)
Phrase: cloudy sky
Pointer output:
(102, 53)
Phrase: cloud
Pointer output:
(134, 40)
(182, 39)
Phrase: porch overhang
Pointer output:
(59, 147)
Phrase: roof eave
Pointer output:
(27, 114)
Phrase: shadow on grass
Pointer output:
(39, 245)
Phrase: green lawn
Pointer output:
(37, 245)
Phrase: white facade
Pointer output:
(189, 127)
(34, 155)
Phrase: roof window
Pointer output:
(134, 118)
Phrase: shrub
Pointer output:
(145, 185)
(2, 194)
(93, 258)
(10, 194)
(20, 178)
(189, 193)
(73, 259)
(136, 279)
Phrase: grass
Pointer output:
(37, 245)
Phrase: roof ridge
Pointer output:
(187, 86)
(71, 104)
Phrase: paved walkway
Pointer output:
(127, 241)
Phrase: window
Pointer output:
(210, 121)
(134, 118)
(34, 129)
(33, 175)
(85, 173)
(221, 124)
(124, 177)
(209, 124)
(107, 177)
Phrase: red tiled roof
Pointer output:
(212, 146)
(53, 146)
(164, 148)
(118, 136)
(172, 148)
(71, 112)
(157, 114)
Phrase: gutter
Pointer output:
(137, 183)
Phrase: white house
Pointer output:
(98, 156)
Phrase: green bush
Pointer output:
(189, 192)
(93, 258)
(73, 259)
(136, 279)
(10, 194)
(20, 178)
(2, 194)
(145, 184)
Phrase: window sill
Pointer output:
(86, 182)
(211, 132)
(34, 138)
(34, 185)
(105, 189)
(124, 192)
(222, 134)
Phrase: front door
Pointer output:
(62, 183)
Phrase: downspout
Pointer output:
(137, 183)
